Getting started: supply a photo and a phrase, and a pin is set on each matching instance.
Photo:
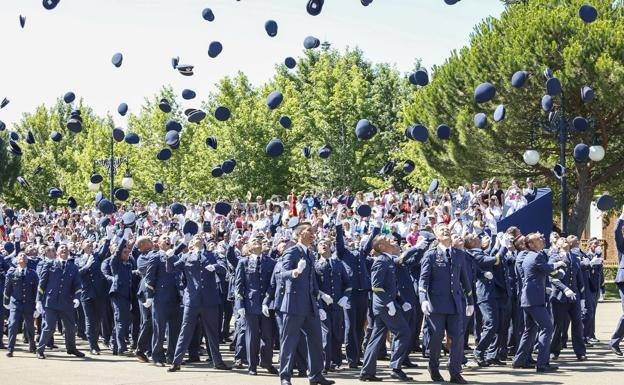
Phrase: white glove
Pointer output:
(344, 303)
(391, 309)
(126, 233)
(148, 302)
(110, 231)
(596, 262)
(6, 306)
(76, 303)
(559, 264)
(425, 306)
(548, 290)
(39, 307)
(406, 306)
(187, 238)
(36, 314)
(582, 304)
(210, 268)
(488, 275)
(265, 310)
(339, 213)
(469, 310)
(326, 298)
(322, 314)
(570, 294)
(562, 272)
(301, 266)
(241, 312)
(90, 261)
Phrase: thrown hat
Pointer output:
(132, 138)
(188, 94)
(274, 99)
(50, 4)
(208, 15)
(480, 120)
(14, 148)
(581, 152)
(56, 136)
(164, 106)
(104, 221)
(122, 109)
(118, 134)
(325, 151)
(290, 62)
(307, 152)
(519, 78)
(605, 202)
(216, 172)
(172, 138)
(214, 49)
(553, 87)
(22, 20)
(388, 168)
(274, 148)
(30, 138)
(69, 97)
(314, 7)
(106, 206)
(271, 28)
(117, 59)
(74, 125)
(190, 227)
(547, 73)
(164, 154)
(9, 247)
(419, 132)
(4, 102)
(433, 186)
(173, 125)
(177, 208)
(185, 69)
(55, 192)
(579, 123)
(96, 178)
(419, 77)
(2, 126)
(587, 94)
(122, 194)
(285, 121)
(547, 103)
(98, 197)
(222, 113)
(228, 166)
(211, 142)
(365, 130)
(311, 42)
(14, 136)
(444, 131)
(587, 13)
(159, 187)
(499, 113)
(364, 210)
(128, 218)
(484, 92)
(558, 170)
(71, 202)
(197, 116)
(222, 208)
(23, 182)
(408, 166)
(293, 222)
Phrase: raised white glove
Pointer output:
(301, 266)
(326, 298)
(126, 233)
(559, 264)
(90, 261)
(570, 294)
(148, 302)
(110, 231)
(344, 303)
(469, 310)
(6, 306)
(39, 307)
(210, 268)
(76, 303)
(187, 238)
(582, 304)
(322, 314)
(488, 275)
(596, 262)
(406, 306)
(548, 290)
(562, 272)
(391, 309)
(425, 306)
(241, 312)
(265, 310)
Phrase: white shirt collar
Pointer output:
(442, 248)
(303, 247)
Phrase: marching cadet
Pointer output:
(143, 252)
(619, 281)
(443, 279)
(591, 264)
(57, 297)
(94, 289)
(201, 299)
(20, 292)
(385, 306)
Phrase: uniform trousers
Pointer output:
(355, 317)
(492, 315)
(537, 322)
(562, 312)
(166, 319)
(437, 324)
(333, 332)
(15, 320)
(68, 317)
(95, 318)
(144, 342)
(122, 319)
(292, 327)
(402, 335)
(259, 340)
(616, 338)
(210, 323)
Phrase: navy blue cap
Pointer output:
(290, 62)
(605, 202)
(587, 13)
(480, 120)
(71, 202)
(365, 130)
(271, 28)
(164, 106)
(314, 7)
(222, 113)
(433, 186)
(216, 172)
(175, 61)
(547, 103)
(587, 94)
(581, 152)
(117, 59)
(553, 87)
(366, 3)
(23, 182)
(552, 116)
(419, 77)
(222, 208)
(9, 247)
(30, 138)
(388, 168)
(172, 138)
(208, 15)
(274, 99)
(69, 97)
(96, 178)
(50, 4)
(579, 123)
(548, 74)
(4, 102)
(325, 151)
(22, 20)
(177, 208)
(274, 148)
(104, 221)
(214, 49)
(14, 148)
(118, 134)
(228, 166)
(307, 152)
(499, 113)
(74, 125)
(185, 69)
(173, 125)
(444, 131)
(211, 142)
(448, 2)
(14, 136)
(106, 206)
(190, 227)
(122, 194)
(285, 121)
(311, 42)
(197, 116)
(2, 126)
(189, 111)
(164, 154)
(188, 94)
(132, 138)
(159, 187)
(128, 218)
(408, 166)
(56, 136)
(419, 132)
(558, 170)
(364, 210)
(519, 78)
(55, 193)
(122, 109)
(484, 92)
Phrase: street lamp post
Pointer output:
(111, 164)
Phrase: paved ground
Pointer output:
(602, 368)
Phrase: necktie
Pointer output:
(63, 265)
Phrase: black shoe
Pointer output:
(191, 360)
(272, 370)
(410, 364)
(9, 354)
(323, 381)
(238, 364)
(174, 368)
(383, 357)
(495, 362)
(324, 371)
(616, 350)
(581, 357)
(141, 356)
(41, 355)
(369, 378)
(159, 364)
(400, 375)
(532, 362)
(546, 369)
(523, 366)
(425, 354)
(169, 361)
(253, 372)
(457, 379)
(115, 353)
(467, 347)
(301, 374)
(76, 353)
(53, 346)
(208, 359)
(554, 356)
(589, 344)
(222, 367)
(127, 354)
(94, 352)
(435, 375)
(353, 366)
(482, 363)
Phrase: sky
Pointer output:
(70, 48)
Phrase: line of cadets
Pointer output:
(314, 301)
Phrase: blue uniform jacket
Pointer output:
(251, 283)
(20, 290)
(405, 263)
(333, 280)
(164, 287)
(201, 284)
(356, 260)
(301, 293)
(619, 242)
(58, 287)
(535, 270)
(573, 279)
(94, 283)
(384, 283)
(119, 273)
(487, 289)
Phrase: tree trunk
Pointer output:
(582, 203)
